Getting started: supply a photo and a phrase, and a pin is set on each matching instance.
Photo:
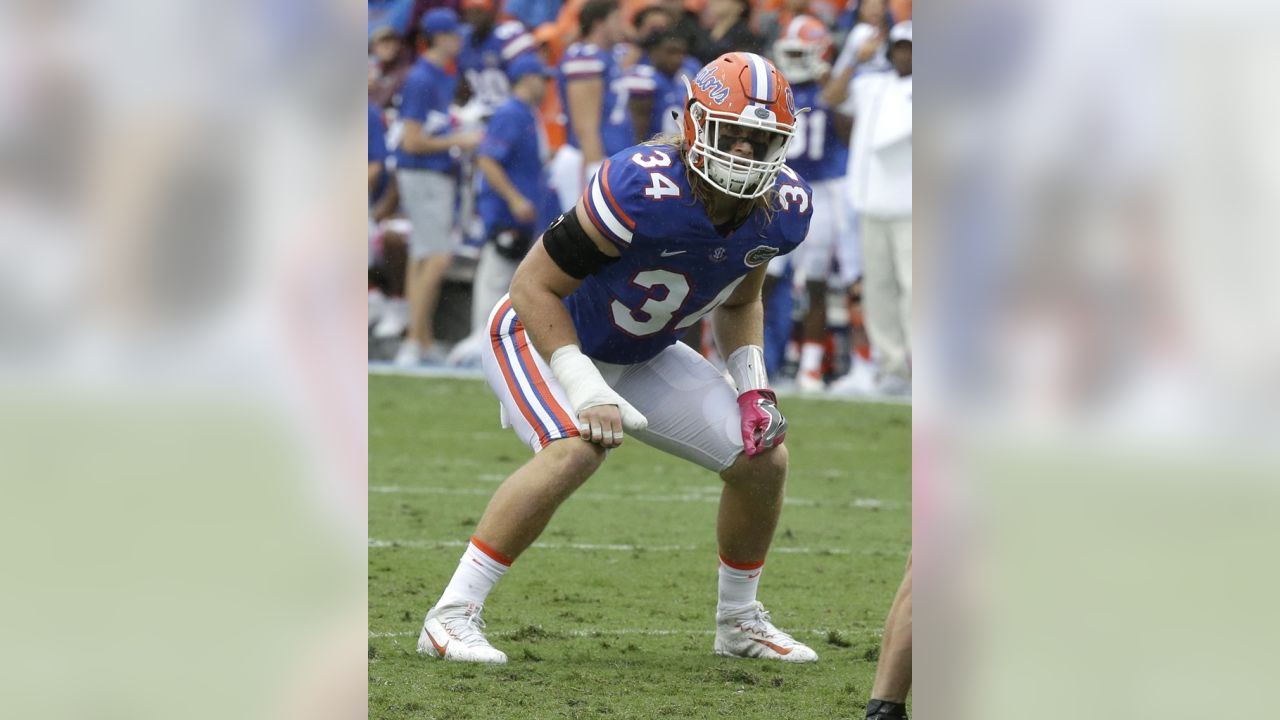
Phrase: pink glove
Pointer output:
(763, 426)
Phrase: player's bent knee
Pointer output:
(770, 465)
(575, 458)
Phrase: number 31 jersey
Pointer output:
(675, 265)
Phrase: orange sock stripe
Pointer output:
(741, 566)
(493, 554)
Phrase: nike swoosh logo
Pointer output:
(754, 575)
(435, 644)
(669, 253)
(776, 648)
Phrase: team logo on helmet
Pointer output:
(745, 91)
(760, 255)
(708, 83)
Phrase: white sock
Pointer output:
(738, 584)
(811, 357)
(478, 571)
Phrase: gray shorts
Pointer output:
(427, 198)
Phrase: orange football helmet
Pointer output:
(802, 49)
(738, 94)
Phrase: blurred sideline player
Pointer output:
(880, 192)
(586, 345)
(893, 670)
(488, 50)
(425, 175)
(818, 153)
(388, 312)
(513, 201)
(598, 123)
(657, 93)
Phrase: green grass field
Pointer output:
(611, 614)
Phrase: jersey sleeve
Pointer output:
(614, 198)
(793, 210)
(422, 103)
(586, 64)
(377, 136)
(515, 39)
(415, 98)
(640, 81)
(502, 133)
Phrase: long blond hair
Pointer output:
(701, 188)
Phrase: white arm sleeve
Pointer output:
(746, 365)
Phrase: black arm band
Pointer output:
(571, 248)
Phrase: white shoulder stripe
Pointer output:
(585, 65)
(517, 45)
(601, 206)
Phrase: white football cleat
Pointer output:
(747, 633)
(810, 383)
(453, 632)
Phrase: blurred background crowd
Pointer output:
(486, 117)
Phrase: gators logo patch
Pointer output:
(760, 255)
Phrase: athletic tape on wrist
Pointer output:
(581, 380)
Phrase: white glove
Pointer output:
(586, 389)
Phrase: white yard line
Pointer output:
(622, 547)
(425, 371)
(701, 497)
(604, 632)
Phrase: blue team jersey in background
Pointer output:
(515, 139)
(428, 89)
(675, 266)
(668, 93)
(484, 63)
(583, 61)
(378, 150)
(817, 151)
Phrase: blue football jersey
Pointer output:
(428, 90)
(484, 62)
(515, 139)
(378, 150)
(817, 151)
(668, 93)
(583, 61)
(675, 265)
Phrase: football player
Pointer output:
(893, 669)
(488, 51)
(819, 152)
(584, 349)
(656, 91)
(592, 96)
